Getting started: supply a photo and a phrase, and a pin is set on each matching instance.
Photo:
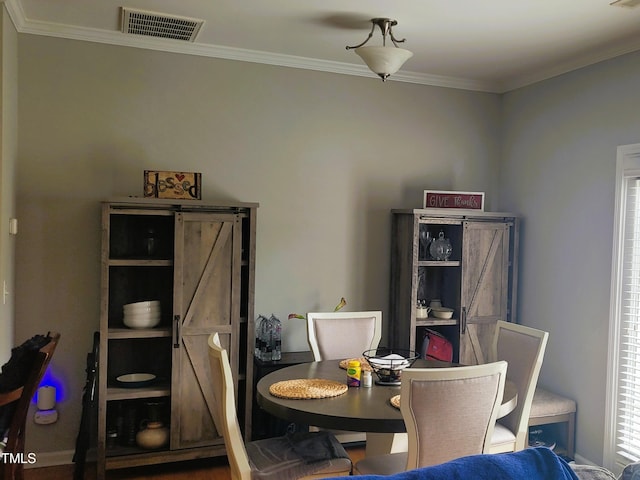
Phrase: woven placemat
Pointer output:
(395, 401)
(307, 388)
(364, 365)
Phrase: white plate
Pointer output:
(134, 380)
(441, 309)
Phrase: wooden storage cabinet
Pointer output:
(198, 260)
(478, 280)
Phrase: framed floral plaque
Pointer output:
(184, 185)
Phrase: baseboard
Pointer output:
(62, 457)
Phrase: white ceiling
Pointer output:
(486, 45)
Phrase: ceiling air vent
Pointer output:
(625, 3)
(151, 24)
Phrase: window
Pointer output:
(622, 434)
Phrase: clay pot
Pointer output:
(152, 435)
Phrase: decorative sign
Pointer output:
(185, 185)
(454, 200)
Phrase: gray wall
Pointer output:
(327, 156)
(8, 156)
(558, 171)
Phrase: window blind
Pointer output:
(627, 435)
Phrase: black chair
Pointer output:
(29, 363)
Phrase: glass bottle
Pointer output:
(150, 243)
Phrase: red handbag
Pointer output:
(436, 347)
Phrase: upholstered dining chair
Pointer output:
(449, 413)
(31, 361)
(523, 349)
(340, 335)
(272, 458)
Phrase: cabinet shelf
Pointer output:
(121, 450)
(119, 393)
(126, 457)
(433, 322)
(139, 262)
(439, 263)
(124, 333)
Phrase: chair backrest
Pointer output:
(224, 411)
(16, 434)
(450, 412)
(340, 335)
(523, 349)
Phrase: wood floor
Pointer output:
(209, 469)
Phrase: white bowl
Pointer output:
(129, 307)
(141, 316)
(140, 308)
(142, 320)
(442, 312)
(142, 311)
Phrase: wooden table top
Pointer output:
(360, 409)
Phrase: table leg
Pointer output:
(384, 443)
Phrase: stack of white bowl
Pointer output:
(142, 314)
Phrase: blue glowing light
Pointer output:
(48, 380)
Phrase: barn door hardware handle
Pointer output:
(464, 319)
(176, 332)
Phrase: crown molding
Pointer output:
(14, 9)
(568, 66)
(23, 25)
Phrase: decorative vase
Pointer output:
(152, 435)
(440, 248)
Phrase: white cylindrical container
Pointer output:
(46, 398)
(366, 378)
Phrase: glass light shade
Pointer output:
(384, 61)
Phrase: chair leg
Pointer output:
(571, 435)
(14, 470)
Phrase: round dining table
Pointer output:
(360, 409)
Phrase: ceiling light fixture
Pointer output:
(383, 60)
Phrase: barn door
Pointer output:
(206, 300)
(485, 287)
